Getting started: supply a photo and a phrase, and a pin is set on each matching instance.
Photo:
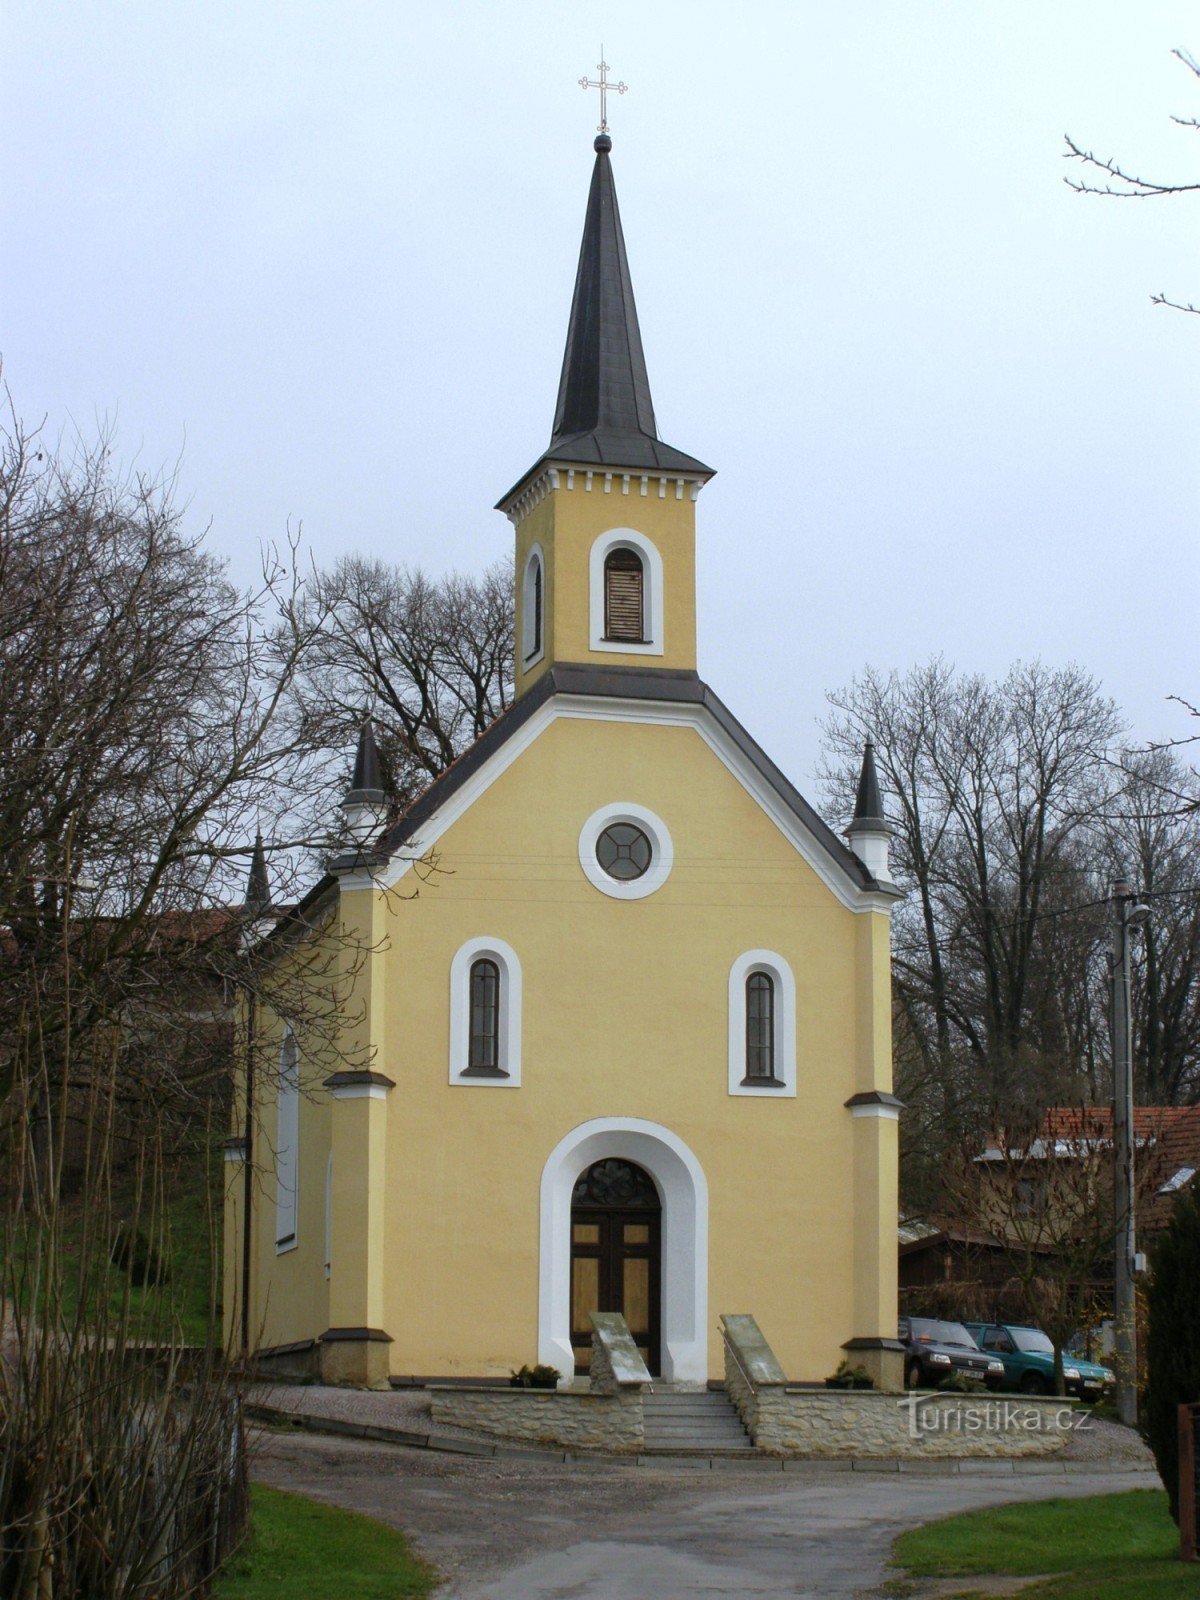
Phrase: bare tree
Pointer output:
(149, 722)
(1148, 835)
(991, 788)
(1040, 1186)
(431, 659)
(1117, 182)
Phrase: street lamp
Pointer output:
(1128, 913)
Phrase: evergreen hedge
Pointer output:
(1173, 1339)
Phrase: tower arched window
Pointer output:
(484, 1048)
(532, 607)
(760, 1028)
(624, 596)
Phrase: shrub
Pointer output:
(539, 1377)
(848, 1377)
(135, 1254)
(1172, 1345)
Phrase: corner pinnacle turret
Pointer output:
(869, 832)
(258, 887)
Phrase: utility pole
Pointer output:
(1127, 914)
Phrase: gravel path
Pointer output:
(542, 1530)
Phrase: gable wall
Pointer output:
(625, 1014)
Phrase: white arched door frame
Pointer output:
(683, 1190)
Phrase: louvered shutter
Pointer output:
(623, 596)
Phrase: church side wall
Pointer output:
(289, 1296)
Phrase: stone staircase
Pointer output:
(703, 1422)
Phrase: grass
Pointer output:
(299, 1550)
(184, 1299)
(1111, 1547)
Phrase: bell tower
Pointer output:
(605, 519)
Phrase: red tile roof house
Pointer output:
(950, 1269)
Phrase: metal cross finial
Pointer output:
(604, 86)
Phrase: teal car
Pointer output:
(1028, 1357)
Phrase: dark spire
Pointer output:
(604, 386)
(366, 786)
(868, 805)
(605, 415)
(258, 886)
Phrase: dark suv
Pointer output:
(934, 1350)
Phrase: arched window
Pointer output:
(624, 606)
(485, 1015)
(760, 1028)
(484, 1047)
(532, 607)
(625, 594)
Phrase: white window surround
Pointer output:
(287, 1141)
(505, 958)
(529, 600)
(662, 851)
(780, 973)
(682, 1186)
(652, 592)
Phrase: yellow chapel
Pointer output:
(629, 1048)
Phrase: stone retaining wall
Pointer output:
(573, 1419)
(863, 1423)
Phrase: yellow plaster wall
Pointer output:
(436, 1187)
(625, 1014)
(566, 523)
(289, 1297)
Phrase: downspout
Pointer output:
(248, 1175)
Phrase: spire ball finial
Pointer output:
(602, 144)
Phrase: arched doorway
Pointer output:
(616, 1245)
(679, 1179)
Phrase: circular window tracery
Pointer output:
(624, 851)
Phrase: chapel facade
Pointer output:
(629, 1048)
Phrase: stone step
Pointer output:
(685, 1402)
(695, 1439)
(723, 1450)
(693, 1424)
(700, 1412)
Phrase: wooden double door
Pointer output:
(616, 1256)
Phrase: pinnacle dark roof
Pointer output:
(605, 415)
(868, 804)
(258, 886)
(367, 782)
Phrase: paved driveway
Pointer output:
(517, 1530)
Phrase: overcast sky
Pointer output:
(324, 255)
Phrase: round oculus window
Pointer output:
(624, 851)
